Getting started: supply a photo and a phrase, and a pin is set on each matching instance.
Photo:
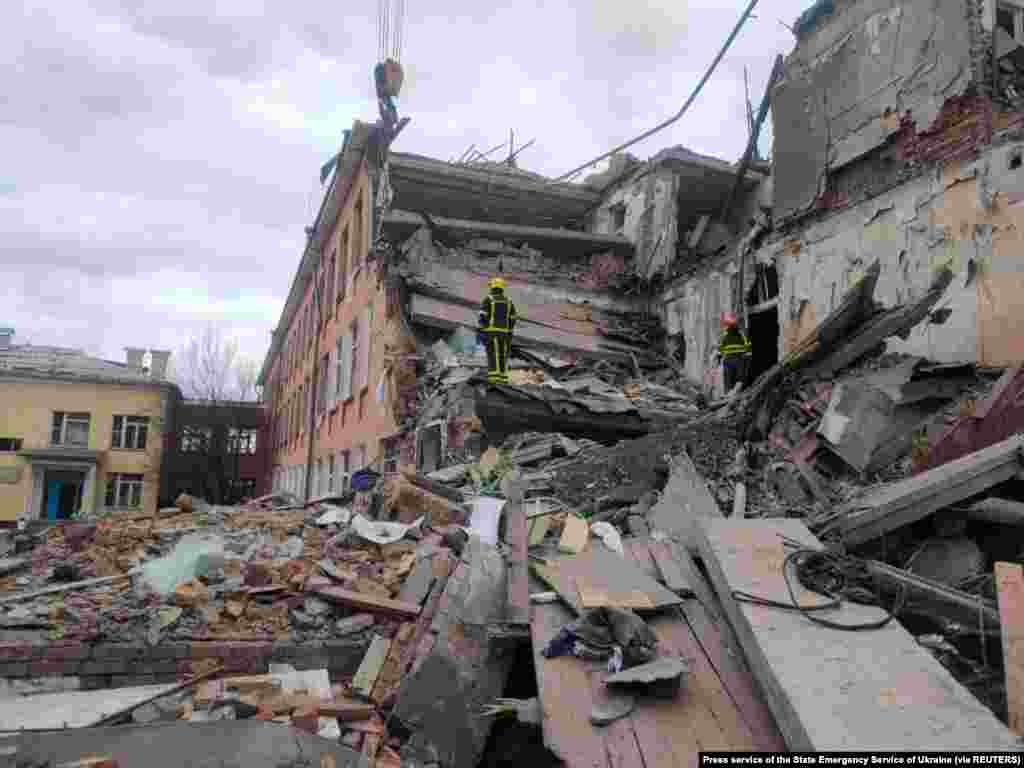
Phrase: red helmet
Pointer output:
(728, 319)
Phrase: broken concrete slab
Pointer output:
(684, 500)
(251, 743)
(662, 677)
(892, 506)
(829, 689)
(612, 706)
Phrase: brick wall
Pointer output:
(118, 665)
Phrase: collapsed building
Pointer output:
(653, 568)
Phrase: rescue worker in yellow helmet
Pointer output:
(497, 323)
(734, 350)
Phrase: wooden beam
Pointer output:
(366, 602)
(518, 560)
(833, 689)
(1010, 584)
(961, 607)
(898, 504)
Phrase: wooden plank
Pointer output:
(714, 634)
(1010, 583)
(517, 561)
(600, 570)
(829, 689)
(898, 504)
(369, 668)
(574, 536)
(346, 710)
(363, 602)
(739, 501)
(565, 694)
(671, 574)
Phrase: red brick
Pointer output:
(46, 667)
(76, 652)
(10, 650)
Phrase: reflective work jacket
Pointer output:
(497, 314)
(734, 343)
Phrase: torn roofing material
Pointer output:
(402, 224)
(450, 313)
(457, 191)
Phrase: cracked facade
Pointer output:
(897, 138)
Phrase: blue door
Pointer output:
(53, 491)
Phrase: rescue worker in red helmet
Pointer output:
(497, 322)
(734, 350)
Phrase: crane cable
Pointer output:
(390, 29)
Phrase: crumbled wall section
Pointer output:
(650, 205)
(118, 665)
(852, 80)
(606, 271)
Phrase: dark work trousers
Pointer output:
(498, 346)
(734, 370)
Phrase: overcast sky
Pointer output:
(160, 158)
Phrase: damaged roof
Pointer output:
(69, 364)
(494, 192)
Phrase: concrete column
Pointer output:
(89, 493)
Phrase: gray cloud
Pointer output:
(161, 158)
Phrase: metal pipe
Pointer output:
(681, 112)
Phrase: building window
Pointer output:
(391, 451)
(1010, 18)
(329, 294)
(330, 474)
(343, 266)
(129, 432)
(354, 368)
(325, 370)
(195, 439)
(357, 239)
(124, 491)
(618, 212)
(243, 488)
(344, 471)
(242, 441)
(71, 429)
(10, 444)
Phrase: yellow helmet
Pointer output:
(496, 283)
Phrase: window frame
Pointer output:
(125, 426)
(14, 444)
(121, 483)
(192, 435)
(66, 418)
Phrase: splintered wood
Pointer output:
(1010, 583)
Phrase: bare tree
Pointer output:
(209, 369)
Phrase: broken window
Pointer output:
(344, 471)
(325, 372)
(329, 293)
(10, 444)
(330, 474)
(766, 285)
(243, 488)
(390, 448)
(1010, 18)
(124, 491)
(343, 265)
(195, 439)
(129, 432)
(70, 429)
(357, 235)
(618, 212)
(242, 441)
(355, 357)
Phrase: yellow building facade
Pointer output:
(79, 435)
